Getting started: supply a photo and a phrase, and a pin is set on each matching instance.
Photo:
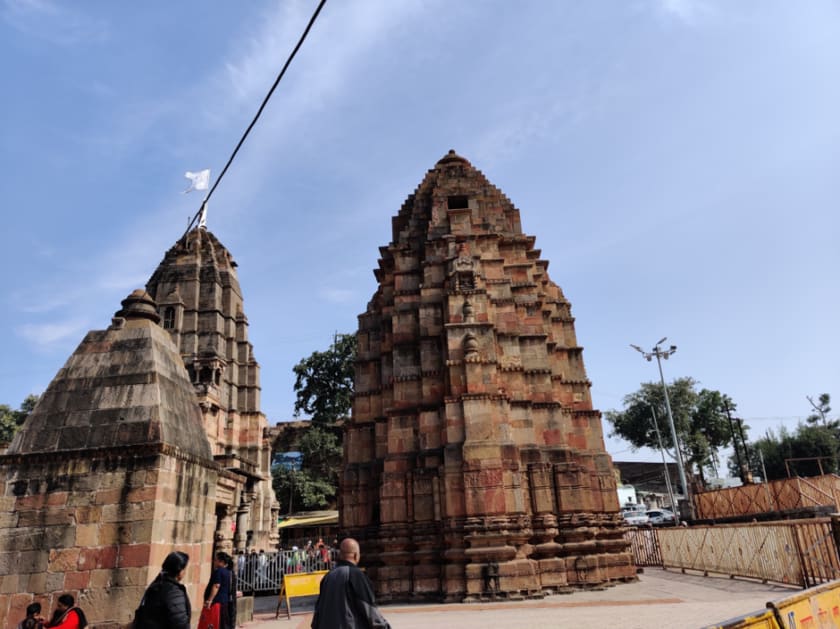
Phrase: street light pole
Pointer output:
(660, 354)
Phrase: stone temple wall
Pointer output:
(110, 472)
(99, 528)
(474, 461)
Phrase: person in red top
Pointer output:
(67, 615)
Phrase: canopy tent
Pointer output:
(299, 520)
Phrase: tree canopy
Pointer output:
(700, 420)
(324, 381)
(11, 420)
(324, 389)
(812, 448)
(314, 485)
(821, 409)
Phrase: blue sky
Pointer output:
(677, 161)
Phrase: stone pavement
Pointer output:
(660, 600)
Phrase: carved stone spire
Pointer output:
(473, 445)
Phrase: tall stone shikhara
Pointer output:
(474, 461)
(200, 304)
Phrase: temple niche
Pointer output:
(474, 463)
(200, 304)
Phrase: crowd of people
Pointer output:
(260, 571)
(346, 593)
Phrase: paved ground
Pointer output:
(660, 600)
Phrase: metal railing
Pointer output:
(260, 573)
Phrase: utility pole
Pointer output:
(665, 465)
(735, 443)
(660, 354)
(763, 469)
(748, 476)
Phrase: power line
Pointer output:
(257, 116)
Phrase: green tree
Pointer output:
(699, 418)
(314, 485)
(324, 381)
(815, 443)
(822, 407)
(814, 446)
(324, 390)
(8, 425)
(11, 420)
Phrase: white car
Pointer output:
(635, 515)
(661, 516)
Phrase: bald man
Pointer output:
(346, 600)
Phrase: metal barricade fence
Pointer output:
(793, 552)
(262, 573)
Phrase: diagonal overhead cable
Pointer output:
(257, 116)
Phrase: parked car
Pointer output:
(635, 515)
(661, 516)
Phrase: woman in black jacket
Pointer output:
(165, 604)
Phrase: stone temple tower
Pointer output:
(200, 304)
(110, 472)
(474, 461)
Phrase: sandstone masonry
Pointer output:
(474, 461)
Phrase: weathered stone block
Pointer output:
(101, 557)
(63, 560)
(45, 517)
(54, 582)
(9, 584)
(87, 535)
(133, 555)
(114, 604)
(76, 580)
(37, 582)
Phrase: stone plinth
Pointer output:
(474, 462)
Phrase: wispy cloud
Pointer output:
(57, 24)
(49, 335)
(686, 11)
(344, 32)
(43, 305)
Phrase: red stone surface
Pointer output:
(474, 461)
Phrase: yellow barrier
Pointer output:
(763, 619)
(294, 585)
(814, 608)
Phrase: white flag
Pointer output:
(198, 181)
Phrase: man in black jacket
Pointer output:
(346, 600)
